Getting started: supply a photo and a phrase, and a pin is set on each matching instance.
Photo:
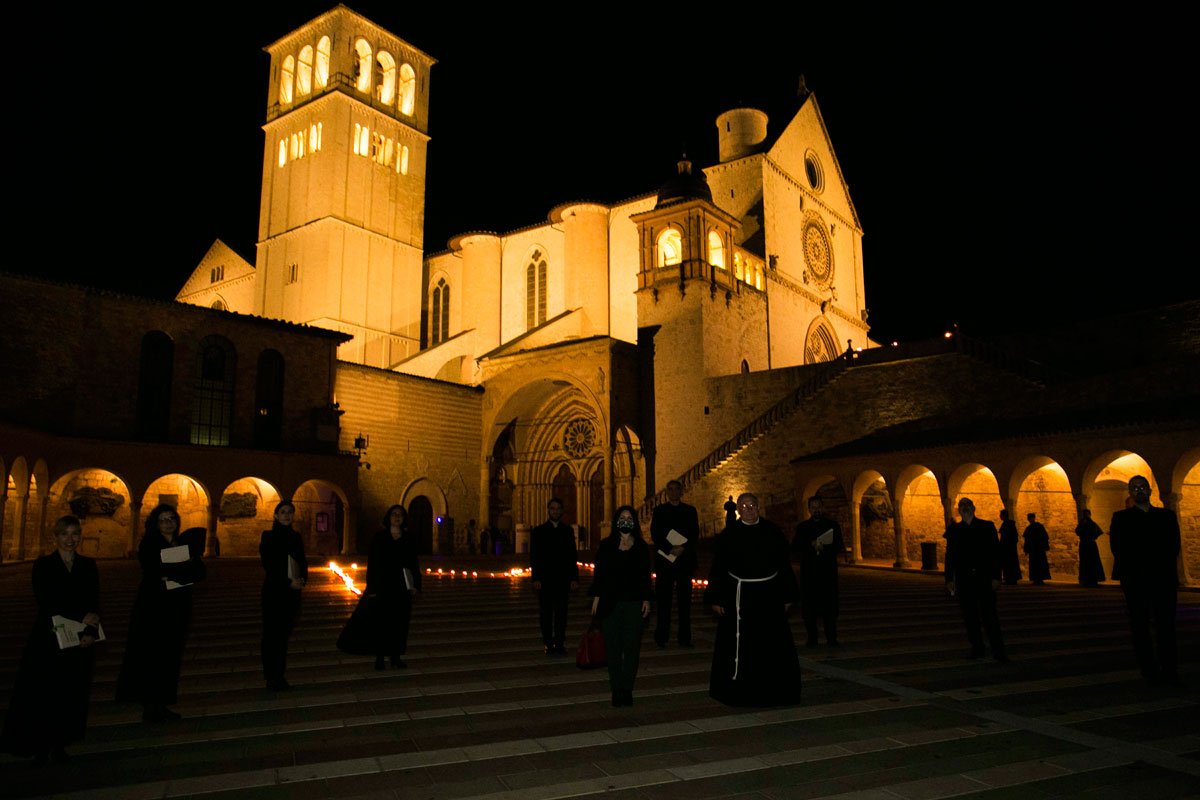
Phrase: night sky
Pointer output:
(1007, 170)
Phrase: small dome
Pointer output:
(684, 185)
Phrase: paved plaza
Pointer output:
(897, 711)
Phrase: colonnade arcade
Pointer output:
(891, 503)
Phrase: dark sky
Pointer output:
(1007, 170)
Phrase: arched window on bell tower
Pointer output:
(716, 250)
(408, 89)
(670, 248)
(362, 70)
(439, 313)
(321, 68)
(304, 70)
(536, 273)
(385, 77)
(285, 79)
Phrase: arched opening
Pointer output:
(1187, 488)
(385, 77)
(18, 501)
(1046, 492)
(247, 509)
(716, 250)
(320, 517)
(820, 344)
(362, 65)
(1109, 492)
(977, 482)
(321, 68)
(875, 517)
(304, 70)
(408, 89)
(101, 501)
(439, 313)
(669, 248)
(834, 504)
(921, 513)
(629, 468)
(212, 398)
(536, 272)
(420, 523)
(503, 482)
(285, 79)
(563, 487)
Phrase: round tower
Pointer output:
(739, 132)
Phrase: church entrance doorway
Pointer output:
(420, 523)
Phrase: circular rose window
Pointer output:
(579, 438)
(817, 253)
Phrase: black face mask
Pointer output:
(626, 525)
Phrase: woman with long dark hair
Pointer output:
(49, 702)
(162, 610)
(393, 580)
(622, 591)
(282, 552)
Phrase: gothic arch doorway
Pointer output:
(420, 523)
(564, 489)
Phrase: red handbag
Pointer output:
(591, 652)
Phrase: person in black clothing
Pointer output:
(393, 579)
(674, 564)
(282, 552)
(622, 592)
(555, 573)
(1010, 561)
(1037, 545)
(818, 570)
(1145, 544)
(162, 610)
(49, 704)
(750, 589)
(730, 511)
(1091, 568)
(973, 576)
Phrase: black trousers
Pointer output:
(1146, 602)
(552, 607)
(672, 583)
(820, 603)
(978, 603)
(279, 607)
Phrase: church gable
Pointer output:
(804, 151)
(221, 273)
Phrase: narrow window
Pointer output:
(322, 65)
(387, 152)
(530, 296)
(155, 373)
(404, 160)
(282, 152)
(439, 314)
(716, 250)
(314, 140)
(293, 150)
(535, 288)
(212, 397)
(408, 89)
(670, 248)
(385, 77)
(541, 291)
(304, 70)
(285, 79)
(268, 400)
(362, 69)
(445, 313)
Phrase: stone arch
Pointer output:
(425, 529)
(979, 483)
(1105, 491)
(629, 468)
(101, 500)
(246, 509)
(873, 514)
(835, 503)
(1040, 486)
(920, 510)
(820, 342)
(1185, 488)
(320, 516)
(39, 480)
(17, 506)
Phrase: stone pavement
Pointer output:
(895, 712)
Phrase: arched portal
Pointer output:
(875, 517)
(920, 510)
(563, 487)
(834, 504)
(1106, 485)
(1046, 492)
(17, 505)
(320, 516)
(978, 483)
(247, 509)
(420, 523)
(629, 468)
(101, 501)
(1186, 487)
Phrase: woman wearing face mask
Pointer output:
(622, 591)
(282, 552)
(49, 702)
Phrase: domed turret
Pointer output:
(739, 133)
(684, 185)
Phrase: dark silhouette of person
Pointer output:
(555, 574)
(1091, 568)
(818, 543)
(730, 511)
(1037, 545)
(1010, 561)
(674, 577)
(973, 576)
(285, 571)
(1145, 544)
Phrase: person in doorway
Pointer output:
(818, 544)
(1091, 568)
(555, 574)
(1145, 544)
(973, 576)
(1037, 545)
(281, 551)
(751, 588)
(621, 591)
(674, 529)
(1010, 560)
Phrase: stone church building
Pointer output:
(714, 331)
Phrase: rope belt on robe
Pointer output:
(737, 604)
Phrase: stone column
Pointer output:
(135, 525)
(40, 518)
(947, 511)
(4, 557)
(856, 532)
(212, 547)
(19, 527)
(901, 550)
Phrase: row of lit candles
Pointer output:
(515, 572)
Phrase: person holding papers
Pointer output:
(158, 625)
(282, 552)
(818, 543)
(674, 529)
(49, 704)
(393, 580)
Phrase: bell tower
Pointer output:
(343, 189)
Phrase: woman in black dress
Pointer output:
(393, 580)
(282, 552)
(622, 592)
(49, 702)
(158, 625)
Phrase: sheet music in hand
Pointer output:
(67, 631)
(826, 538)
(676, 539)
(408, 579)
(175, 555)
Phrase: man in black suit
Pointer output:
(555, 573)
(1145, 545)
(674, 573)
(818, 543)
(973, 576)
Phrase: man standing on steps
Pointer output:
(555, 573)
(1145, 544)
(674, 528)
(818, 544)
(973, 576)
